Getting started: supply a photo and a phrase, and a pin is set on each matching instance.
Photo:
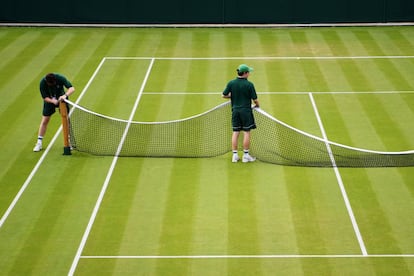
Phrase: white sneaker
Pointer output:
(248, 158)
(38, 147)
(235, 158)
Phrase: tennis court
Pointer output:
(103, 215)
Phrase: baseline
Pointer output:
(252, 256)
(268, 58)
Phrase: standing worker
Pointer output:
(52, 91)
(242, 92)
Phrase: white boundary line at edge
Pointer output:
(290, 93)
(206, 25)
(265, 58)
(293, 256)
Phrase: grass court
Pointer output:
(94, 215)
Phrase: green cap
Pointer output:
(244, 68)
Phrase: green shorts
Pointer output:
(49, 109)
(243, 119)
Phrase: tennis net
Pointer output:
(209, 134)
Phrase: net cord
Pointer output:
(147, 123)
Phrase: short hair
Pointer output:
(50, 79)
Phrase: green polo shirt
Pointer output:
(242, 93)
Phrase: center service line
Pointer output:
(108, 176)
(340, 182)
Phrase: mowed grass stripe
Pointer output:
(399, 39)
(243, 235)
(371, 41)
(200, 44)
(14, 50)
(398, 215)
(398, 130)
(38, 233)
(383, 123)
(217, 44)
(233, 44)
(179, 214)
(276, 229)
(389, 69)
(348, 120)
(130, 219)
(406, 175)
(9, 33)
(293, 109)
(366, 200)
(116, 210)
(34, 59)
(146, 214)
(35, 244)
(391, 74)
(84, 57)
(317, 42)
(119, 82)
(95, 94)
(210, 226)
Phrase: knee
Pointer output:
(45, 121)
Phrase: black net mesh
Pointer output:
(209, 135)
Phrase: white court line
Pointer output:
(42, 158)
(288, 93)
(108, 176)
(316, 256)
(340, 182)
(267, 58)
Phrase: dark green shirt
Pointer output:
(54, 91)
(242, 93)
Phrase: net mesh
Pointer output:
(209, 134)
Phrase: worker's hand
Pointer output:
(55, 101)
(228, 96)
(63, 98)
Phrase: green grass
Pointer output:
(208, 207)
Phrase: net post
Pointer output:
(65, 128)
